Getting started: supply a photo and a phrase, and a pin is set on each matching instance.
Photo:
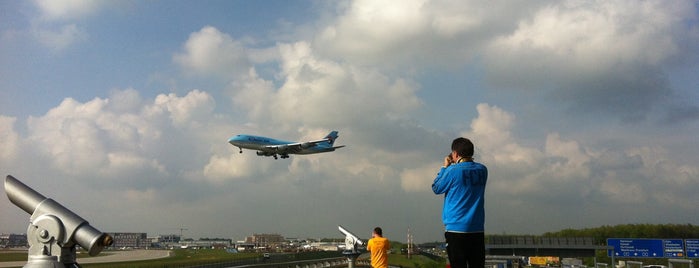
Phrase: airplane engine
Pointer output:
(262, 153)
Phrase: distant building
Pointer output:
(265, 240)
(13, 240)
(130, 240)
(206, 243)
(167, 239)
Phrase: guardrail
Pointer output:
(319, 263)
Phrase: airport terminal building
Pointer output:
(13, 240)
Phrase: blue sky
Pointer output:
(586, 113)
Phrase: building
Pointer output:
(130, 240)
(206, 243)
(265, 240)
(13, 240)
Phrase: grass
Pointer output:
(190, 257)
(13, 256)
(179, 258)
(415, 261)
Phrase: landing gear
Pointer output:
(241, 150)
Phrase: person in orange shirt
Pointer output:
(378, 246)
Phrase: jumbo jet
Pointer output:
(271, 147)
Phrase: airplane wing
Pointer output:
(293, 147)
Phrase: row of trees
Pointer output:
(600, 234)
(658, 231)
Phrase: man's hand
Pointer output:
(447, 161)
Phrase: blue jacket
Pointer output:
(463, 186)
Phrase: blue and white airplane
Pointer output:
(271, 147)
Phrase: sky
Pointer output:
(584, 112)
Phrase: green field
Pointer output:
(191, 257)
(415, 261)
(180, 258)
(183, 257)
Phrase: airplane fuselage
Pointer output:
(272, 147)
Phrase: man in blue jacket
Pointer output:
(462, 181)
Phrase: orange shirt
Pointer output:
(379, 247)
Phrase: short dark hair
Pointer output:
(378, 231)
(462, 146)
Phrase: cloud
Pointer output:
(232, 166)
(9, 139)
(122, 136)
(595, 56)
(574, 37)
(67, 9)
(367, 73)
(56, 25)
(417, 33)
(319, 92)
(211, 52)
(128, 150)
(397, 25)
(493, 131)
(60, 39)
(194, 107)
(417, 179)
(568, 169)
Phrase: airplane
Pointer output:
(271, 147)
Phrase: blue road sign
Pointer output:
(673, 248)
(636, 248)
(692, 247)
(649, 248)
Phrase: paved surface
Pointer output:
(110, 256)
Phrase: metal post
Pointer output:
(351, 258)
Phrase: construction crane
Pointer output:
(182, 229)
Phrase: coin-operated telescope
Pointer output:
(352, 243)
(54, 231)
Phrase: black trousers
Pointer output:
(466, 249)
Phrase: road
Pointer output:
(110, 256)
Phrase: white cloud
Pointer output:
(383, 22)
(56, 25)
(592, 37)
(368, 73)
(318, 93)
(492, 132)
(630, 176)
(194, 107)
(69, 135)
(211, 52)
(418, 179)
(233, 166)
(60, 39)
(321, 92)
(597, 57)
(125, 137)
(67, 9)
(9, 139)
(416, 33)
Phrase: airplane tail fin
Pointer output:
(332, 136)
